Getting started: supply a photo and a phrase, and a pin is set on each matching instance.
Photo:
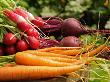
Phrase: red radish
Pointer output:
(70, 41)
(9, 39)
(33, 42)
(21, 12)
(24, 26)
(32, 32)
(38, 18)
(1, 51)
(21, 45)
(24, 13)
(10, 50)
(37, 21)
(13, 16)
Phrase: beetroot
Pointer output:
(53, 21)
(33, 42)
(70, 41)
(72, 27)
(10, 50)
(21, 45)
(1, 51)
(52, 26)
(44, 43)
(9, 39)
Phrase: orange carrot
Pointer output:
(56, 51)
(107, 48)
(33, 60)
(67, 60)
(34, 72)
(95, 51)
(9, 65)
(70, 52)
(58, 48)
(35, 52)
(89, 47)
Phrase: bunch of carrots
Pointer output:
(48, 62)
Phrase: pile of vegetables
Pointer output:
(44, 47)
(47, 62)
(25, 31)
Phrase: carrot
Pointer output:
(58, 48)
(107, 48)
(9, 65)
(95, 51)
(89, 47)
(69, 52)
(35, 52)
(67, 60)
(56, 51)
(34, 72)
(72, 52)
(33, 60)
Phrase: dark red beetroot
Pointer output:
(53, 21)
(44, 43)
(52, 26)
(1, 51)
(33, 42)
(21, 45)
(10, 50)
(9, 39)
(71, 41)
(72, 27)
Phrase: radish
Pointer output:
(24, 26)
(21, 45)
(33, 32)
(38, 18)
(1, 51)
(13, 16)
(33, 42)
(10, 50)
(9, 39)
(70, 41)
(36, 21)
(21, 12)
(72, 27)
